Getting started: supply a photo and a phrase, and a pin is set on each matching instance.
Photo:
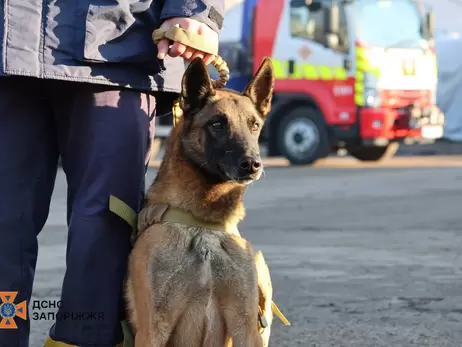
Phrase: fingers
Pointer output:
(162, 48)
(198, 54)
(179, 50)
(188, 53)
(175, 49)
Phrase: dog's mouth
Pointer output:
(233, 175)
(222, 169)
(245, 180)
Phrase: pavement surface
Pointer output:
(360, 255)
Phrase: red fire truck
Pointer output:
(354, 74)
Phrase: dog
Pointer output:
(192, 280)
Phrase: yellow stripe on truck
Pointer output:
(280, 71)
(340, 74)
(363, 65)
(305, 71)
(366, 66)
(326, 73)
(359, 99)
(309, 71)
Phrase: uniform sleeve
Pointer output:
(210, 12)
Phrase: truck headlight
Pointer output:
(372, 98)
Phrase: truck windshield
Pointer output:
(389, 23)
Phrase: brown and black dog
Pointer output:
(195, 283)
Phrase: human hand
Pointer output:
(180, 50)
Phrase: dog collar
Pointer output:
(161, 213)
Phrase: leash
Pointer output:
(198, 42)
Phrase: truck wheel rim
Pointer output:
(301, 137)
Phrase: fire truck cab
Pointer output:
(354, 74)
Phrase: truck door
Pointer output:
(304, 64)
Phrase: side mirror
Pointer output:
(431, 24)
(332, 28)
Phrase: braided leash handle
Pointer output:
(198, 42)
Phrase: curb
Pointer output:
(442, 147)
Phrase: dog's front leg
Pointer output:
(243, 330)
(240, 310)
(156, 337)
(142, 340)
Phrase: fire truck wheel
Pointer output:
(302, 136)
(374, 153)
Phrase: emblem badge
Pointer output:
(409, 68)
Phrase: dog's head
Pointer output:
(222, 127)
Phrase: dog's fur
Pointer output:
(191, 286)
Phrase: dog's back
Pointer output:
(202, 285)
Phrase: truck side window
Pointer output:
(307, 22)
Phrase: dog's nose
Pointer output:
(251, 164)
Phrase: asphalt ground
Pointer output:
(360, 255)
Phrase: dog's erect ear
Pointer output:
(260, 89)
(196, 85)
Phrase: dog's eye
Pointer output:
(255, 126)
(217, 126)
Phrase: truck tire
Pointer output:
(363, 153)
(302, 136)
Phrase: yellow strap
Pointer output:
(49, 342)
(279, 314)
(202, 43)
(129, 339)
(124, 211)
